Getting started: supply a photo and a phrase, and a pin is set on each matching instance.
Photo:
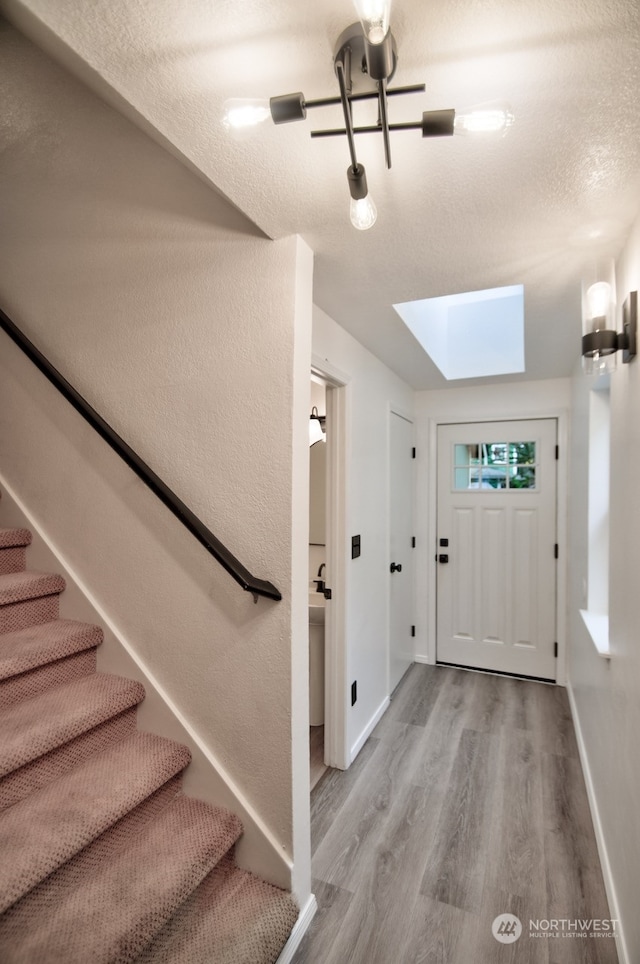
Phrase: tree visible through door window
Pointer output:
(494, 465)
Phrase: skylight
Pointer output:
(471, 335)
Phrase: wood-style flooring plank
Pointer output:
(574, 878)
(333, 907)
(516, 857)
(333, 791)
(456, 860)
(468, 802)
(363, 822)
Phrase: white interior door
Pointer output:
(400, 543)
(496, 573)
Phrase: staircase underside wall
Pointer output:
(177, 321)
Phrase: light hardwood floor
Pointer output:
(466, 802)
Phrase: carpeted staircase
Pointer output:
(103, 858)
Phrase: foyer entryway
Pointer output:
(467, 802)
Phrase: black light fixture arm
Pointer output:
(384, 121)
(346, 110)
(292, 107)
(434, 123)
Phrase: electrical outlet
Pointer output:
(354, 692)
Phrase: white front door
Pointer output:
(400, 545)
(496, 546)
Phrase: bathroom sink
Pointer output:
(316, 607)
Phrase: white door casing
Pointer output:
(496, 593)
(400, 546)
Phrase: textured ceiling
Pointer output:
(454, 214)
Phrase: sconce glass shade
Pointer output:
(598, 299)
(599, 363)
(240, 113)
(375, 16)
(599, 337)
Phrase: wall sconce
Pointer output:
(316, 427)
(367, 48)
(600, 340)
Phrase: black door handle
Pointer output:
(395, 567)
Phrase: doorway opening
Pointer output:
(328, 686)
(317, 580)
(497, 547)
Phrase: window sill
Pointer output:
(598, 627)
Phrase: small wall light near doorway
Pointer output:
(600, 339)
(316, 427)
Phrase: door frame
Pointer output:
(393, 409)
(562, 417)
(336, 705)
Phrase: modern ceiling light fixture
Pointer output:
(370, 45)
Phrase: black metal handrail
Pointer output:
(258, 587)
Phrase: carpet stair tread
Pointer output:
(43, 831)
(36, 646)
(130, 898)
(37, 726)
(233, 917)
(13, 537)
(28, 584)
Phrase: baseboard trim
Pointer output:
(300, 928)
(422, 659)
(621, 947)
(368, 730)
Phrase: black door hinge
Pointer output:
(413, 542)
(557, 452)
(413, 630)
(413, 452)
(556, 552)
(555, 650)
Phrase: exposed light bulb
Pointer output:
(375, 16)
(240, 113)
(483, 120)
(599, 299)
(363, 213)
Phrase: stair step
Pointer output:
(28, 598)
(45, 769)
(13, 543)
(20, 586)
(45, 830)
(38, 658)
(20, 916)
(128, 899)
(11, 537)
(35, 727)
(233, 917)
(35, 646)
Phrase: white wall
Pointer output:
(190, 333)
(550, 398)
(371, 389)
(606, 694)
